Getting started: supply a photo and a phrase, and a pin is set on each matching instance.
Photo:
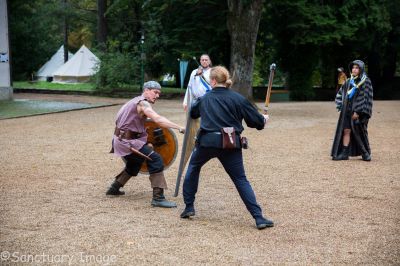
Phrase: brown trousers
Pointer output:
(158, 180)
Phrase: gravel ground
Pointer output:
(55, 170)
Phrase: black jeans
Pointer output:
(133, 162)
(232, 161)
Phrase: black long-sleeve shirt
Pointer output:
(223, 107)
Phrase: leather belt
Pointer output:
(126, 134)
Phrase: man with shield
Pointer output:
(130, 141)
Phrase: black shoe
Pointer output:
(263, 223)
(344, 155)
(187, 213)
(366, 157)
(340, 158)
(114, 192)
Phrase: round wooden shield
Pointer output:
(164, 142)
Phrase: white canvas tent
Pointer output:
(78, 69)
(57, 60)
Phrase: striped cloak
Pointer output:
(361, 103)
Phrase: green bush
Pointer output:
(301, 87)
(117, 70)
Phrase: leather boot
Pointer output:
(344, 155)
(114, 189)
(120, 181)
(159, 199)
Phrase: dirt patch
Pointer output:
(55, 170)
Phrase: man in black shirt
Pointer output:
(222, 110)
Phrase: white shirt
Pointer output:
(195, 85)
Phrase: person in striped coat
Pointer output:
(354, 102)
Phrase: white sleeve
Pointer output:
(186, 96)
(190, 84)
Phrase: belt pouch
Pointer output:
(228, 138)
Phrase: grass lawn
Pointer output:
(121, 90)
(44, 85)
(86, 87)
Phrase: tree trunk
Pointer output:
(243, 21)
(102, 24)
(65, 31)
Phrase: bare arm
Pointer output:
(144, 108)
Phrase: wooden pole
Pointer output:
(271, 78)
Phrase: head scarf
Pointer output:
(152, 85)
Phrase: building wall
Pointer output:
(5, 77)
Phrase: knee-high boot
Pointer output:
(159, 199)
(158, 183)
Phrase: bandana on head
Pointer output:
(152, 85)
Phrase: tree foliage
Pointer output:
(34, 35)
(183, 29)
(322, 35)
(306, 38)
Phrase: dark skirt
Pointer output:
(359, 143)
(347, 120)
